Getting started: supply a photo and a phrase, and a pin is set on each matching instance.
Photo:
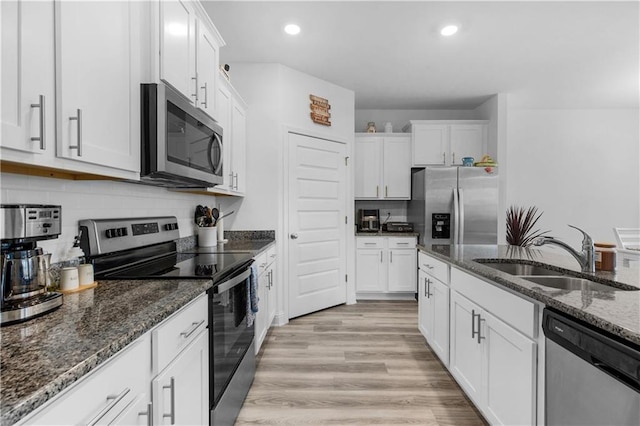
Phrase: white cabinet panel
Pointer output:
(466, 353)
(238, 146)
(178, 46)
(28, 77)
(207, 69)
(98, 82)
(440, 325)
(509, 374)
(370, 270)
(446, 142)
(402, 270)
(181, 391)
(467, 140)
(430, 145)
(382, 167)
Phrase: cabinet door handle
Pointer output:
(473, 330)
(115, 399)
(402, 244)
(453, 158)
(194, 326)
(426, 265)
(377, 191)
(78, 118)
(148, 413)
(172, 387)
(195, 95)
(204, 104)
(42, 121)
(380, 256)
(426, 291)
(235, 186)
(429, 294)
(386, 191)
(369, 244)
(444, 158)
(480, 336)
(390, 257)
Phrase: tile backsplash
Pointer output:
(99, 199)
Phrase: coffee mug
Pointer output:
(467, 161)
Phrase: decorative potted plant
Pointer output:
(520, 223)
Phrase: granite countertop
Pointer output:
(387, 234)
(43, 356)
(254, 247)
(616, 311)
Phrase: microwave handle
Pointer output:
(217, 168)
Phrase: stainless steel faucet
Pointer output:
(586, 258)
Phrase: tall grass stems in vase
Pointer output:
(520, 223)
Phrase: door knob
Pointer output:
(294, 236)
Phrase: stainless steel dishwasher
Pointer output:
(591, 377)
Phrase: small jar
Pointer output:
(605, 256)
(371, 127)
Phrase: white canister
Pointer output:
(388, 127)
(207, 236)
(69, 279)
(85, 274)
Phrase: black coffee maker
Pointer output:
(25, 267)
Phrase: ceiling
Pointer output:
(543, 54)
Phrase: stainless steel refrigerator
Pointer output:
(454, 205)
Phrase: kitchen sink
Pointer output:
(520, 268)
(562, 279)
(572, 283)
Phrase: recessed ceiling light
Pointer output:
(292, 29)
(449, 30)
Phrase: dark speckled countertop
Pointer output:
(43, 356)
(616, 311)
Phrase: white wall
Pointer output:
(579, 167)
(101, 199)
(278, 100)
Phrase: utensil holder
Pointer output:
(207, 236)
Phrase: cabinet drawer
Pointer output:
(434, 267)
(370, 242)
(271, 255)
(261, 262)
(177, 331)
(515, 311)
(402, 242)
(103, 394)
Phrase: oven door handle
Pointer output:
(232, 282)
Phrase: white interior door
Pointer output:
(317, 228)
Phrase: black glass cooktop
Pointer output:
(216, 266)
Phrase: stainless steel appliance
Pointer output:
(397, 227)
(454, 205)
(25, 267)
(369, 220)
(181, 146)
(145, 248)
(591, 377)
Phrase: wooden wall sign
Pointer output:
(320, 110)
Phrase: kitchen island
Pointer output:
(614, 310)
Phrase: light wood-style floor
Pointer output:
(363, 364)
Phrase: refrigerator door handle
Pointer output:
(461, 221)
(456, 216)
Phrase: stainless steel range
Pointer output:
(145, 248)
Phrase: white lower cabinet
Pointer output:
(160, 378)
(107, 395)
(433, 312)
(181, 391)
(267, 301)
(492, 361)
(385, 265)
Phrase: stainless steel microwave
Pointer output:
(181, 146)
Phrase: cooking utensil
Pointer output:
(215, 214)
(226, 215)
(200, 216)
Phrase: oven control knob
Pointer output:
(110, 233)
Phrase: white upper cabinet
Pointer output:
(238, 145)
(28, 81)
(446, 142)
(189, 52)
(98, 76)
(178, 46)
(382, 167)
